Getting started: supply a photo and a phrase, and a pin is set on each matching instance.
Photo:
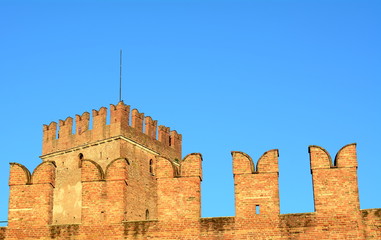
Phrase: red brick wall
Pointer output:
(2, 232)
(138, 187)
(336, 197)
(179, 192)
(372, 221)
(256, 196)
(31, 196)
(167, 143)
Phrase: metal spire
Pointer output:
(120, 77)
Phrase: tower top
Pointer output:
(141, 131)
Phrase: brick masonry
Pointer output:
(127, 180)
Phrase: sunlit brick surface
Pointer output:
(127, 180)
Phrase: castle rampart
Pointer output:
(168, 142)
(117, 181)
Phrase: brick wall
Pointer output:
(128, 181)
(372, 221)
(167, 142)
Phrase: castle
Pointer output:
(127, 180)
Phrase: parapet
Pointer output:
(30, 198)
(189, 166)
(256, 188)
(267, 163)
(178, 188)
(335, 183)
(142, 130)
(44, 173)
(345, 157)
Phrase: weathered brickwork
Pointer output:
(127, 180)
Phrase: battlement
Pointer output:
(268, 162)
(30, 200)
(142, 195)
(345, 157)
(141, 130)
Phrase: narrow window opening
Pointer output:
(144, 126)
(151, 166)
(73, 128)
(108, 117)
(147, 214)
(130, 119)
(80, 156)
(170, 140)
(257, 209)
(91, 120)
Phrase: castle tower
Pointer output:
(105, 174)
(127, 180)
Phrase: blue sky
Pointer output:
(229, 75)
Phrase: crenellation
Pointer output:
(30, 198)
(137, 120)
(268, 162)
(335, 190)
(99, 124)
(170, 143)
(82, 123)
(346, 156)
(319, 157)
(242, 163)
(191, 166)
(49, 131)
(164, 136)
(179, 191)
(150, 127)
(19, 175)
(119, 118)
(65, 128)
(328, 180)
(256, 190)
(165, 168)
(44, 173)
(49, 137)
(115, 181)
(119, 114)
(175, 140)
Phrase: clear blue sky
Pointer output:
(229, 75)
